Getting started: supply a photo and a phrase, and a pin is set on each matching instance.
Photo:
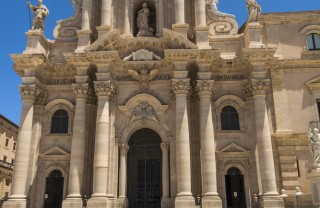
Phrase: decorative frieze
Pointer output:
(180, 86)
(205, 87)
(82, 90)
(31, 92)
(257, 87)
(104, 89)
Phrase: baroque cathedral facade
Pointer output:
(160, 103)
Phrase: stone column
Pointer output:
(208, 155)
(126, 24)
(78, 148)
(201, 29)
(123, 170)
(106, 6)
(161, 17)
(165, 201)
(270, 197)
(201, 13)
(184, 199)
(18, 196)
(84, 35)
(104, 91)
(180, 26)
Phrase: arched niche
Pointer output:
(136, 6)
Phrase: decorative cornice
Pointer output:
(180, 86)
(27, 62)
(104, 89)
(257, 87)
(205, 88)
(82, 90)
(290, 17)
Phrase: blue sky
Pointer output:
(15, 22)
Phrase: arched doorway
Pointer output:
(54, 190)
(235, 189)
(144, 170)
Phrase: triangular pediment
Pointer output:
(55, 151)
(114, 41)
(233, 148)
(313, 84)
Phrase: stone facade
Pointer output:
(8, 144)
(201, 109)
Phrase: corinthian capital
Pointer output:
(164, 146)
(104, 89)
(31, 92)
(258, 87)
(205, 87)
(180, 86)
(82, 90)
(124, 148)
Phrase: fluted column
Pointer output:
(165, 201)
(259, 89)
(78, 148)
(123, 170)
(161, 17)
(104, 90)
(207, 152)
(181, 88)
(29, 94)
(86, 14)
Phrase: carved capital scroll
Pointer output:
(205, 88)
(104, 89)
(124, 148)
(257, 87)
(31, 92)
(180, 86)
(82, 90)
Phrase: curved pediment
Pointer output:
(113, 41)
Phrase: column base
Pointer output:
(37, 42)
(84, 40)
(209, 201)
(105, 202)
(103, 29)
(72, 203)
(184, 202)
(272, 202)
(181, 29)
(15, 203)
(253, 36)
(121, 203)
(165, 202)
(202, 35)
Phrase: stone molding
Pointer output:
(104, 89)
(257, 87)
(82, 90)
(124, 148)
(180, 86)
(205, 88)
(32, 92)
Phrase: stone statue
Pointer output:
(40, 12)
(77, 6)
(254, 10)
(314, 144)
(214, 9)
(143, 22)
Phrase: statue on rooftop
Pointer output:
(214, 9)
(40, 12)
(143, 22)
(314, 144)
(254, 10)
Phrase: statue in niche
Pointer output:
(143, 22)
(254, 10)
(214, 9)
(314, 144)
(40, 12)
